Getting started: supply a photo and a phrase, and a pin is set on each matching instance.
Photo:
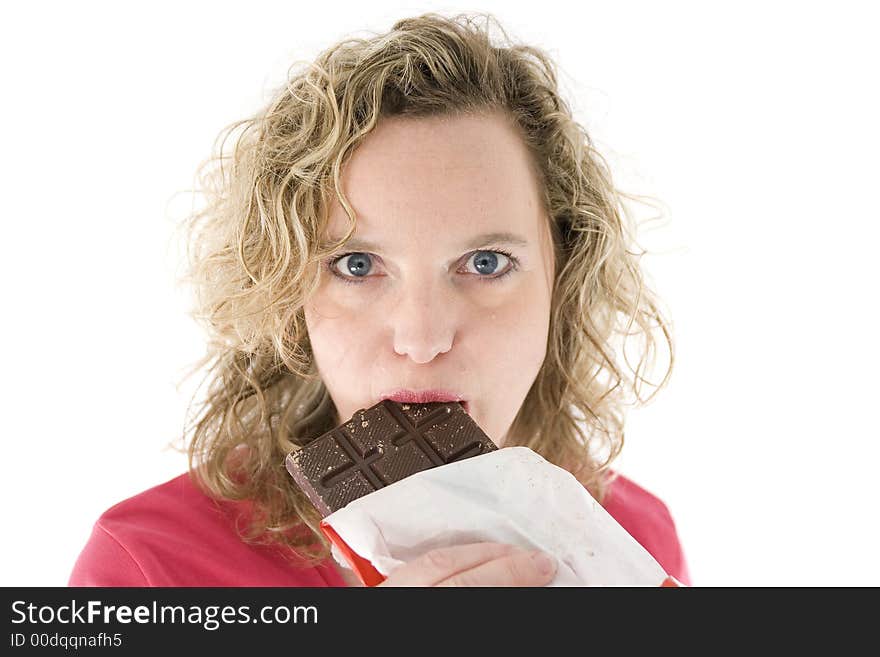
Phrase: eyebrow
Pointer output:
(486, 239)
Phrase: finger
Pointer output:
(443, 563)
(519, 568)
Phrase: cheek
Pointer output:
(341, 337)
(516, 334)
(510, 349)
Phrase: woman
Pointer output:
(414, 216)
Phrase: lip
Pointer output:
(404, 395)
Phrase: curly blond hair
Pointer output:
(255, 246)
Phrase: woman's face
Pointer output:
(426, 297)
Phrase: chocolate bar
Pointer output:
(381, 445)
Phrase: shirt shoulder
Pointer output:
(648, 520)
(175, 534)
(104, 561)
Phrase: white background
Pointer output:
(754, 123)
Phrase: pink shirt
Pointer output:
(175, 535)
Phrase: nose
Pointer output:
(423, 321)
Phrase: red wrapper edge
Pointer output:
(363, 568)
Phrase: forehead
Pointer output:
(466, 174)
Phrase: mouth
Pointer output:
(426, 397)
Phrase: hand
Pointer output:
(476, 564)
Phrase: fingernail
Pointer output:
(543, 562)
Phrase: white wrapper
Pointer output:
(511, 495)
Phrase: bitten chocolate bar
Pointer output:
(381, 445)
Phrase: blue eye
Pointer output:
(486, 262)
(358, 265)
